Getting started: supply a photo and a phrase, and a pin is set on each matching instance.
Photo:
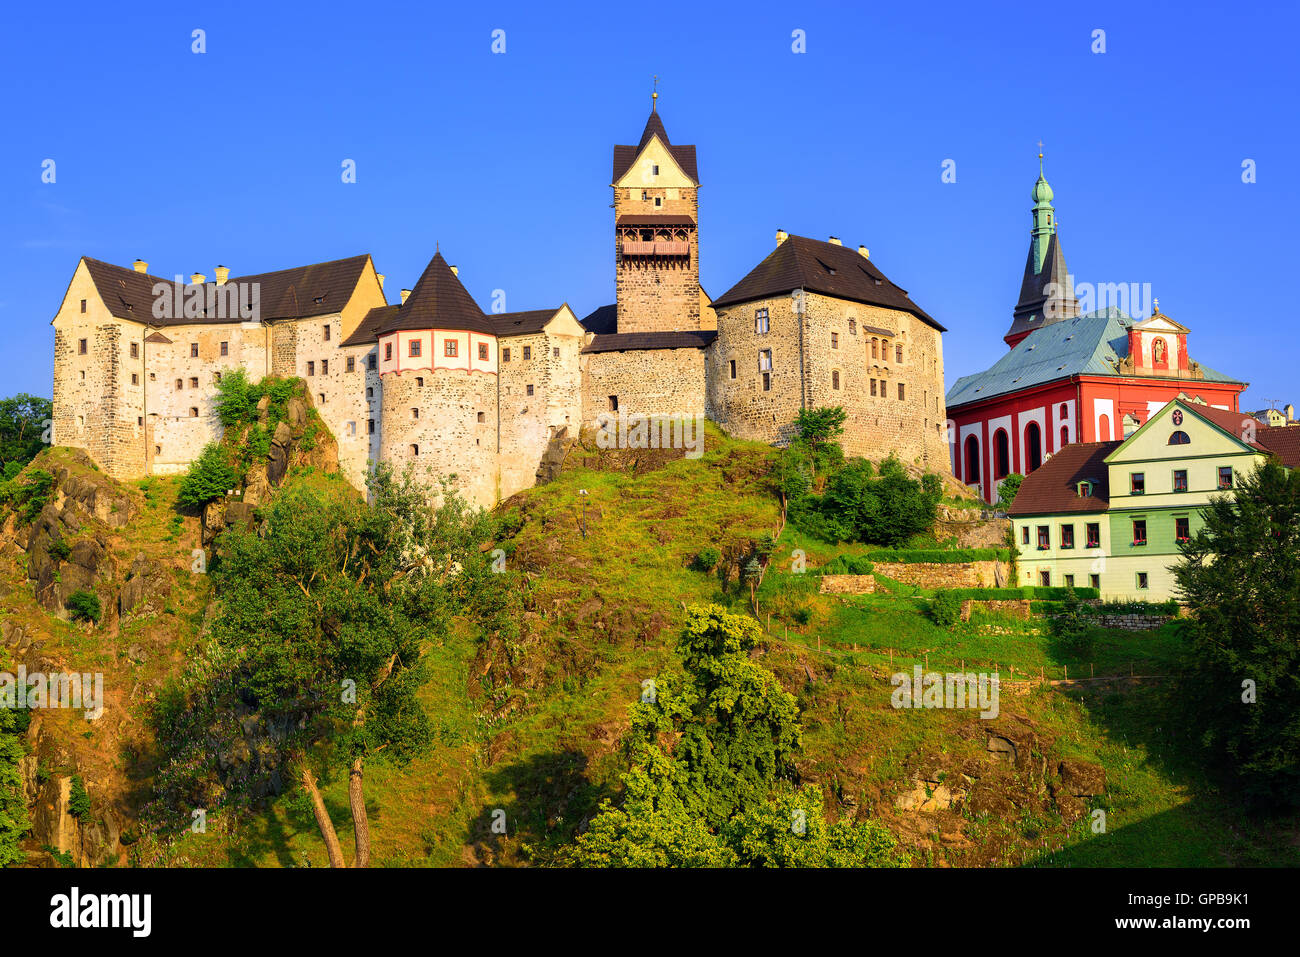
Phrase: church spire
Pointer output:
(1047, 290)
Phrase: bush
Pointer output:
(707, 559)
(944, 556)
(846, 565)
(1008, 490)
(84, 606)
(945, 608)
(209, 478)
(60, 550)
(1071, 627)
(30, 496)
(79, 800)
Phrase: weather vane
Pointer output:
(654, 95)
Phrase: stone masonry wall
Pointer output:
(528, 422)
(646, 382)
(454, 431)
(943, 575)
(657, 294)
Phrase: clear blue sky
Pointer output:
(234, 156)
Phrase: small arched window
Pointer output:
(1179, 438)
(415, 450)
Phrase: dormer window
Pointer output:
(1085, 489)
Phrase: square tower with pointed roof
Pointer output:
(656, 244)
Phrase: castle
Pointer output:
(435, 380)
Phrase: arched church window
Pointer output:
(1179, 438)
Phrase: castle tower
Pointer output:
(656, 246)
(1047, 290)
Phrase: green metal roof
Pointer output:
(1085, 345)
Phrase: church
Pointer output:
(486, 398)
(1068, 377)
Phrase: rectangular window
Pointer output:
(898, 353)
(81, 346)
(765, 360)
(530, 389)
(1143, 583)
(352, 428)
(1094, 581)
(194, 350)
(1045, 579)
(835, 378)
(1139, 531)
(767, 382)
(311, 368)
(1137, 483)
(853, 327)
(194, 382)
(372, 361)
(1067, 536)
(225, 348)
(1024, 535)
(415, 413)
(1069, 581)
(351, 364)
(733, 368)
(556, 352)
(1182, 529)
(505, 355)
(135, 379)
(450, 347)
(413, 348)
(835, 340)
(1225, 476)
(135, 350)
(327, 331)
(83, 305)
(1180, 480)
(1044, 538)
(388, 351)
(324, 367)
(613, 403)
(900, 392)
(528, 352)
(760, 321)
(180, 384)
(370, 426)
(481, 418)
(483, 351)
(1094, 534)
(873, 386)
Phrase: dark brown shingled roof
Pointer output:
(521, 323)
(315, 290)
(602, 321)
(1052, 488)
(827, 268)
(1031, 309)
(625, 156)
(656, 219)
(367, 330)
(633, 341)
(438, 301)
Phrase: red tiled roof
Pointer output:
(1283, 441)
(1053, 487)
(1237, 424)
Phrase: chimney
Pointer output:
(380, 277)
(835, 241)
(781, 236)
(1289, 409)
(198, 278)
(140, 266)
(223, 273)
(405, 293)
(864, 252)
(455, 270)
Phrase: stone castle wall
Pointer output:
(528, 423)
(646, 382)
(657, 294)
(443, 422)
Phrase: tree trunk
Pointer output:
(360, 820)
(332, 846)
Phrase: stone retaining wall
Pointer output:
(1018, 607)
(848, 584)
(944, 575)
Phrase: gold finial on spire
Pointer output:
(654, 95)
(1156, 305)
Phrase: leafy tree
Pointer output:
(23, 421)
(209, 478)
(237, 398)
(819, 432)
(886, 509)
(85, 606)
(1071, 627)
(79, 800)
(322, 628)
(1240, 574)
(1008, 490)
(14, 822)
(711, 776)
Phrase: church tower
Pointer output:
(656, 237)
(1047, 291)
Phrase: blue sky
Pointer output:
(234, 156)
